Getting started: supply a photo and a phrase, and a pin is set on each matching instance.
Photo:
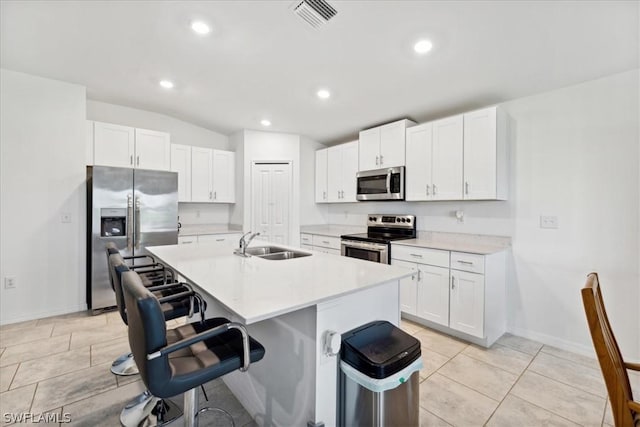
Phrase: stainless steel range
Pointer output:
(375, 244)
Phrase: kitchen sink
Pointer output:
(284, 255)
(264, 250)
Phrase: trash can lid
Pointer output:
(379, 349)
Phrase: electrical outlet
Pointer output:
(65, 217)
(548, 221)
(9, 282)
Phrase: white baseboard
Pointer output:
(572, 346)
(43, 314)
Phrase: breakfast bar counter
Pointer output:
(290, 306)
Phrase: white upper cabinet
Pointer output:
(201, 174)
(321, 175)
(383, 146)
(153, 150)
(224, 176)
(127, 147)
(89, 143)
(446, 161)
(342, 166)
(181, 163)
(418, 170)
(485, 155)
(434, 160)
(113, 145)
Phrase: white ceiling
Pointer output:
(261, 60)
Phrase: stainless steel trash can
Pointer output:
(379, 371)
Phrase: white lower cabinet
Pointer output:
(224, 239)
(187, 240)
(320, 243)
(458, 293)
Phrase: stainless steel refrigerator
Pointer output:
(133, 208)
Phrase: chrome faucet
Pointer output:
(244, 243)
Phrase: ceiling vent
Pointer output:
(314, 12)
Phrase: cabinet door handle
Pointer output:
(453, 283)
(137, 160)
(466, 187)
(434, 189)
(210, 195)
(215, 195)
(377, 161)
(427, 189)
(324, 195)
(381, 160)
(131, 160)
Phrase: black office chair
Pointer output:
(151, 272)
(180, 360)
(124, 365)
(178, 300)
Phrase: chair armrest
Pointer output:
(634, 406)
(178, 296)
(156, 266)
(169, 286)
(632, 366)
(140, 257)
(184, 343)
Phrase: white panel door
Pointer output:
(224, 176)
(446, 175)
(201, 174)
(480, 140)
(153, 150)
(418, 171)
(270, 196)
(114, 145)
(369, 149)
(349, 171)
(433, 294)
(408, 288)
(467, 303)
(334, 173)
(392, 144)
(181, 163)
(321, 175)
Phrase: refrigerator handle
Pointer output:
(129, 224)
(137, 235)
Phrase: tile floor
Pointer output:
(61, 365)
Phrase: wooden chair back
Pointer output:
(611, 362)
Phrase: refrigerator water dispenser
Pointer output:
(113, 222)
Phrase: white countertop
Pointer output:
(332, 230)
(256, 289)
(470, 243)
(197, 229)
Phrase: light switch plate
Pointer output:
(547, 221)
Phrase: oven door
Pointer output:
(381, 184)
(376, 252)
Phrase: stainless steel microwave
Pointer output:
(381, 184)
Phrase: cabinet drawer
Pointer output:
(229, 239)
(435, 257)
(306, 247)
(306, 239)
(185, 240)
(467, 262)
(326, 241)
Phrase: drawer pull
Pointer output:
(465, 262)
(219, 240)
(188, 242)
(325, 242)
(416, 255)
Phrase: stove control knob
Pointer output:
(397, 219)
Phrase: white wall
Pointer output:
(181, 133)
(254, 146)
(574, 154)
(310, 211)
(42, 150)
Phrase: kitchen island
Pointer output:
(289, 306)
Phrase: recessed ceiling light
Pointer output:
(323, 94)
(265, 122)
(200, 27)
(167, 84)
(423, 46)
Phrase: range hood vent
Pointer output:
(314, 12)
